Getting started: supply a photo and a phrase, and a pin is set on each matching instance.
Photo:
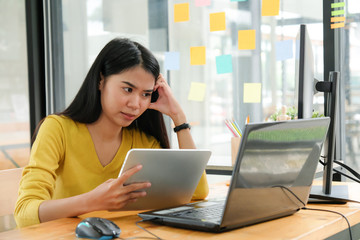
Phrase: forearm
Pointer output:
(66, 207)
(184, 137)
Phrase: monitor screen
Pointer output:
(304, 72)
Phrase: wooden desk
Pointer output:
(304, 224)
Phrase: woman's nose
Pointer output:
(134, 102)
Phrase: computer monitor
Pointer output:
(307, 86)
(304, 72)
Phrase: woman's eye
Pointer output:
(147, 94)
(128, 89)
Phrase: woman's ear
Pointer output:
(102, 82)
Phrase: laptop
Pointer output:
(272, 178)
(173, 173)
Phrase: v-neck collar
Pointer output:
(124, 147)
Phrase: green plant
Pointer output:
(292, 112)
(316, 114)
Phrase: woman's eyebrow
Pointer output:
(130, 84)
(133, 86)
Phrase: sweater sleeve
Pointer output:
(38, 178)
(202, 189)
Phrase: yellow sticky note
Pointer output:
(197, 91)
(181, 12)
(217, 21)
(246, 39)
(198, 55)
(252, 92)
(270, 7)
(337, 25)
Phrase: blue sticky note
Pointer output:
(224, 64)
(172, 60)
(284, 50)
(297, 49)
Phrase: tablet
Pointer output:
(173, 173)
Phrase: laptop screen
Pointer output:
(274, 170)
(277, 153)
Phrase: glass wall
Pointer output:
(210, 91)
(350, 70)
(269, 64)
(14, 102)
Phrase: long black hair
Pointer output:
(117, 56)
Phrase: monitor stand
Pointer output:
(339, 195)
(327, 192)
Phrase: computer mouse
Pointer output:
(97, 228)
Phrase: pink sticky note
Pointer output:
(200, 3)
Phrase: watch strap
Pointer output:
(182, 126)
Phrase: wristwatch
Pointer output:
(181, 127)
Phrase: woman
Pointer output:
(77, 153)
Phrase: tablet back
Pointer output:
(173, 173)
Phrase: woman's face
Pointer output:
(125, 96)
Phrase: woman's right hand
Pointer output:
(114, 195)
(110, 195)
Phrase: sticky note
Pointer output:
(224, 64)
(338, 5)
(297, 49)
(337, 12)
(197, 91)
(337, 25)
(284, 50)
(198, 55)
(181, 12)
(337, 19)
(270, 7)
(217, 21)
(200, 3)
(238, 0)
(252, 92)
(246, 39)
(172, 60)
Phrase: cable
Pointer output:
(137, 224)
(130, 238)
(316, 209)
(283, 187)
(325, 210)
(340, 172)
(348, 168)
(344, 174)
(356, 174)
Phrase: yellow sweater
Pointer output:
(63, 163)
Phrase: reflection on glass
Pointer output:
(277, 157)
(14, 103)
(90, 24)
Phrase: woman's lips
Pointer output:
(128, 116)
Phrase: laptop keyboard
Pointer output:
(213, 212)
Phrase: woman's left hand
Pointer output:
(166, 103)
